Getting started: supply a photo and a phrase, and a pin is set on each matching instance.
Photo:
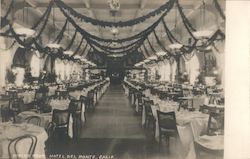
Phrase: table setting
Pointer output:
(28, 96)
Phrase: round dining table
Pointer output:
(10, 131)
(28, 96)
(46, 118)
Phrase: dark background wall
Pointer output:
(115, 70)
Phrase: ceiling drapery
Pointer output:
(128, 23)
(101, 45)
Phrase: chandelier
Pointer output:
(114, 31)
(114, 5)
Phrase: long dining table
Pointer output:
(191, 125)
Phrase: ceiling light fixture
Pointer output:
(175, 46)
(161, 53)
(114, 5)
(53, 45)
(68, 52)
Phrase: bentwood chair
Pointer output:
(167, 127)
(76, 110)
(16, 106)
(84, 101)
(215, 123)
(91, 96)
(139, 97)
(36, 120)
(96, 95)
(149, 117)
(6, 114)
(61, 120)
(13, 147)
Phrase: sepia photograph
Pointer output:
(113, 79)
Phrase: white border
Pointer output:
(237, 123)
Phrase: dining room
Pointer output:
(117, 79)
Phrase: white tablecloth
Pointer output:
(28, 96)
(194, 101)
(190, 126)
(45, 117)
(10, 131)
(77, 94)
(52, 90)
(197, 119)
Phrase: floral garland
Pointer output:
(165, 7)
(160, 44)
(146, 50)
(170, 36)
(144, 55)
(132, 43)
(78, 48)
(150, 45)
(4, 20)
(32, 41)
(90, 36)
(61, 33)
(92, 40)
(71, 42)
(217, 6)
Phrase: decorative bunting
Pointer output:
(60, 35)
(71, 42)
(78, 48)
(165, 7)
(217, 6)
(101, 45)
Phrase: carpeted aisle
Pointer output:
(113, 118)
(111, 132)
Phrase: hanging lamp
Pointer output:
(161, 53)
(175, 47)
(203, 33)
(24, 32)
(53, 45)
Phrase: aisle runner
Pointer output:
(113, 118)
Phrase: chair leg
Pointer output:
(154, 127)
(168, 145)
(159, 146)
(85, 119)
(146, 123)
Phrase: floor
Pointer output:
(112, 131)
(113, 118)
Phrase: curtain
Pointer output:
(19, 76)
(59, 69)
(192, 68)
(68, 68)
(173, 70)
(19, 58)
(49, 65)
(35, 65)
